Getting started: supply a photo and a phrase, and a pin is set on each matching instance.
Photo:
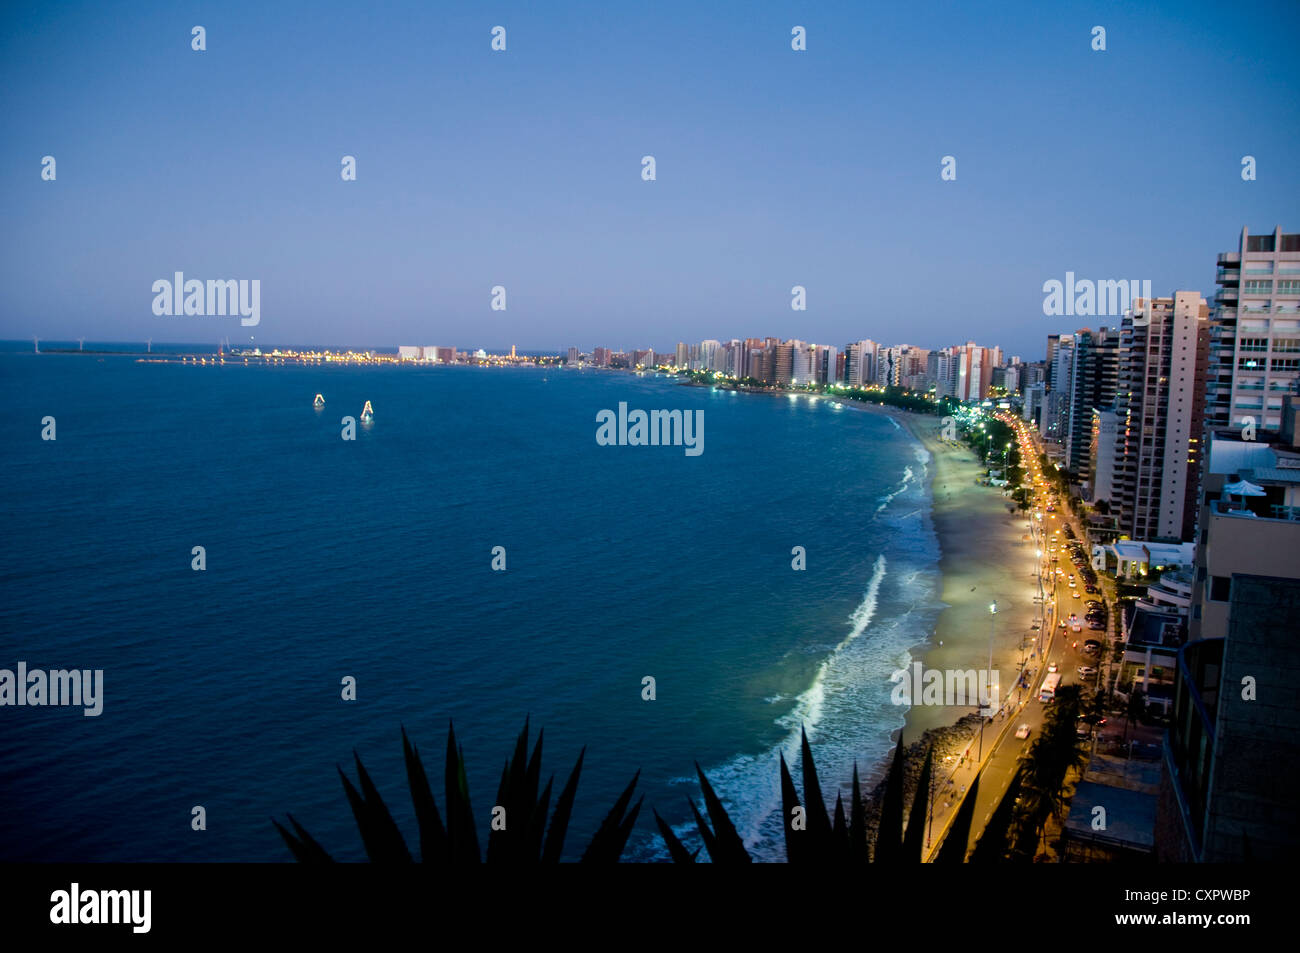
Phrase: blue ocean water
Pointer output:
(328, 558)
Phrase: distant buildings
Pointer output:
(441, 355)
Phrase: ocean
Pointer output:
(371, 558)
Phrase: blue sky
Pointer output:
(775, 168)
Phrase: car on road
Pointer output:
(1022, 731)
(1076, 592)
(1051, 667)
(1086, 670)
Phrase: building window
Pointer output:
(1288, 287)
(1257, 287)
(1220, 586)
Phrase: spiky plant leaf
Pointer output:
(560, 819)
(379, 834)
(724, 832)
(303, 846)
(462, 838)
(857, 823)
(797, 848)
(433, 837)
(819, 823)
(605, 846)
(914, 838)
(676, 849)
(889, 835)
(953, 849)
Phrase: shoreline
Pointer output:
(986, 555)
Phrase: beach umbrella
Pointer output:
(1244, 488)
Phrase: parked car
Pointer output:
(1086, 670)
(1051, 667)
(1097, 626)
(1089, 588)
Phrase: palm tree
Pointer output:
(519, 833)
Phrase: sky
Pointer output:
(523, 168)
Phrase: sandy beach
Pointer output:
(987, 555)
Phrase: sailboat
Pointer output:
(367, 413)
(319, 401)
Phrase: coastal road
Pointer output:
(1002, 750)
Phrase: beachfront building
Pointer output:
(1094, 381)
(1232, 752)
(1161, 394)
(1127, 789)
(1135, 559)
(1053, 423)
(1155, 628)
(1033, 403)
(940, 368)
(1101, 455)
(974, 370)
(860, 363)
(1255, 331)
(1233, 748)
(1250, 518)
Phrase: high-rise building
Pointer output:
(1101, 454)
(1233, 747)
(600, 357)
(1255, 331)
(573, 356)
(1033, 402)
(683, 356)
(783, 364)
(939, 368)
(860, 363)
(1053, 423)
(973, 372)
(1161, 395)
(1094, 379)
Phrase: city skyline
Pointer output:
(522, 168)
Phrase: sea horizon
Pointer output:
(761, 668)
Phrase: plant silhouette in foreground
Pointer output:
(523, 838)
(812, 835)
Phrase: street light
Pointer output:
(993, 612)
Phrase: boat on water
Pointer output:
(319, 401)
(367, 413)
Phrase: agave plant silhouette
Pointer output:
(523, 839)
(811, 835)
